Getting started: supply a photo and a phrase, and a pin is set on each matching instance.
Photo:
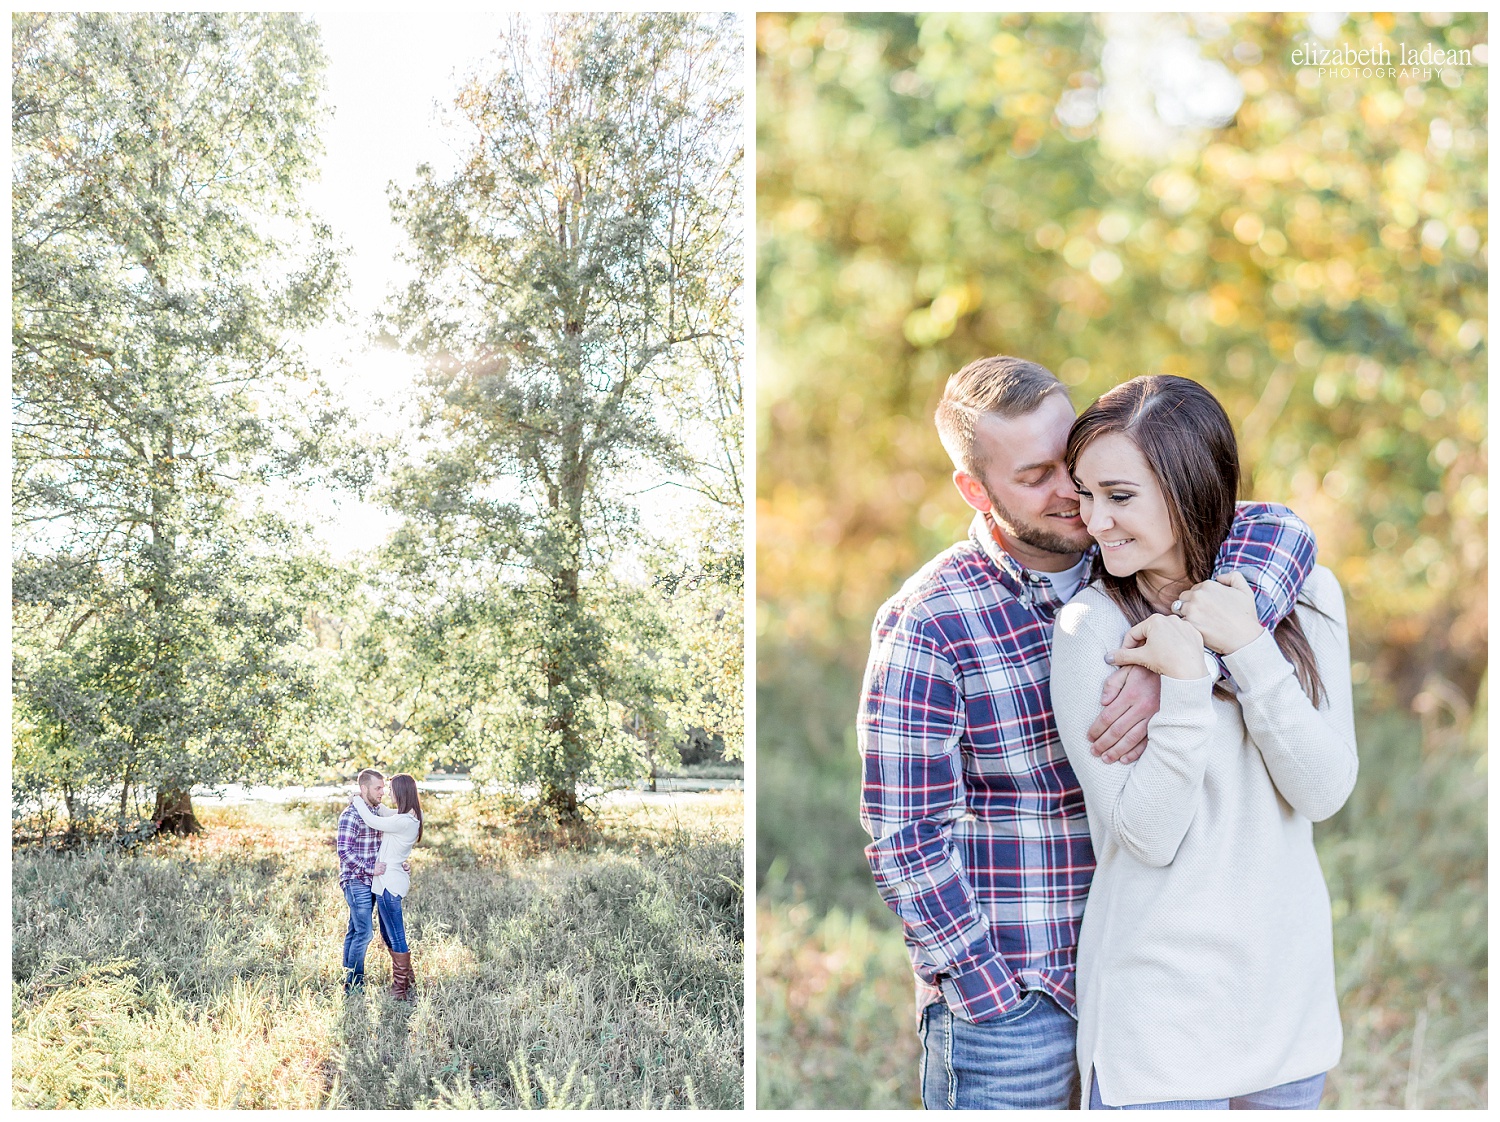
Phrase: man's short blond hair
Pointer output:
(1004, 386)
(370, 774)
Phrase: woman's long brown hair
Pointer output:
(404, 791)
(1185, 437)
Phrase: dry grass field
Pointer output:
(595, 968)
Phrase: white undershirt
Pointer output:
(1065, 585)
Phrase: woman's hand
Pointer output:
(1223, 611)
(1170, 646)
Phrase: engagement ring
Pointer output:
(1176, 607)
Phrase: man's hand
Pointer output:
(379, 869)
(1132, 695)
(1223, 611)
(406, 866)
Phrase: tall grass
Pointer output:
(834, 1011)
(597, 968)
(1405, 860)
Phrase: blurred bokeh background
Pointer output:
(1111, 196)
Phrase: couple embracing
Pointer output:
(1095, 737)
(373, 844)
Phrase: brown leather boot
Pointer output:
(401, 976)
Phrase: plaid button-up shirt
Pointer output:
(357, 846)
(981, 842)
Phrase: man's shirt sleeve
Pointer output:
(910, 722)
(1276, 552)
(345, 842)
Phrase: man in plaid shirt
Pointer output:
(358, 846)
(981, 845)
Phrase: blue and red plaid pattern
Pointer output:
(357, 846)
(981, 841)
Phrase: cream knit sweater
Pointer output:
(398, 834)
(1205, 960)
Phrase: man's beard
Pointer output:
(1038, 537)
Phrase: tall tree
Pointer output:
(584, 256)
(160, 267)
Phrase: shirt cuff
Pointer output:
(1258, 664)
(982, 993)
(1186, 690)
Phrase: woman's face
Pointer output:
(1123, 507)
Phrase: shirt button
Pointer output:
(1034, 578)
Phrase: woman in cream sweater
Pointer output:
(1205, 959)
(400, 830)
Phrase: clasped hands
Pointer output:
(1217, 614)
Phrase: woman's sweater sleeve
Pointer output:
(1309, 752)
(385, 824)
(1146, 806)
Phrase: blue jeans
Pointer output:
(361, 930)
(392, 926)
(1021, 1060)
(1300, 1095)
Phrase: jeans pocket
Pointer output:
(938, 1083)
(1028, 1004)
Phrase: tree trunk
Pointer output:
(174, 813)
(560, 788)
(68, 796)
(561, 801)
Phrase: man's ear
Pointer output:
(972, 491)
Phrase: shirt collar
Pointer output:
(1027, 586)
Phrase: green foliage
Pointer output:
(160, 263)
(834, 1011)
(808, 836)
(401, 668)
(206, 973)
(936, 188)
(171, 628)
(699, 590)
(217, 684)
(415, 676)
(579, 266)
(1408, 874)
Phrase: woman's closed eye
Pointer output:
(1117, 497)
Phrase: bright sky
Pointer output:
(387, 73)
